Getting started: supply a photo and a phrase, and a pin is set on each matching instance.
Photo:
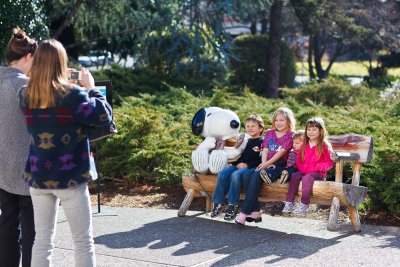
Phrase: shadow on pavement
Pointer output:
(195, 235)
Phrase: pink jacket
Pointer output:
(313, 163)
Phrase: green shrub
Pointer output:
(330, 92)
(379, 78)
(154, 142)
(383, 179)
(248, 65)
(396, 109)
(143, 150)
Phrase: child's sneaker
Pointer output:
(255, 216)
(241, 218)
(288, 207)
(217, 210)
(265, 177)
(301, 209)
(231, 212)
(284, 177)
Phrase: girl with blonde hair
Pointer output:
(275, 147)
(57, 115)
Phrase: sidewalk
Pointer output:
(150, 237)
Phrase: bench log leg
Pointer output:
(353, 211)
(333, 215)
(186, 202)
(209, 204)
(355, 218)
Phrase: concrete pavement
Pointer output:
(155, 237)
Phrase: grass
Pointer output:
(348, 68)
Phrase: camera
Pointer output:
(76, 75)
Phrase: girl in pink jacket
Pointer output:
(312, 163)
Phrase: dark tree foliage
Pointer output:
(249, 67)
(28, 15)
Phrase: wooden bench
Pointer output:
(353, 148)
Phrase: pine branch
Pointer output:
(68, 18)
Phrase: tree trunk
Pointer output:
(264, 23)
(310, 57)
(253, 27)
(318, 54)
(274, 50)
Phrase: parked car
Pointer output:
(95, 58)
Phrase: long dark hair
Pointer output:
(322, 139)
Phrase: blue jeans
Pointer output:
(253, 182)
(275, 173)
(229, 181)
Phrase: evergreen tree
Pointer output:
(28, 15)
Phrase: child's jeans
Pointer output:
(253, 183)
(76, 204)
(307, 185)
(230, 181)
(275, 173)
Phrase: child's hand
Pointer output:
(262, 166)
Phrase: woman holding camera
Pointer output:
(16, 210)
(57, 115)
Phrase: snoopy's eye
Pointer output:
(209, 114)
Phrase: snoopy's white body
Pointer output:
(216, 123)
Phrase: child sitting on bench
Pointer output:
(282, 174)
(230, 180)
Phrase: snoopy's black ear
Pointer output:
(198, 122)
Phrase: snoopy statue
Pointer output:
(222, 142)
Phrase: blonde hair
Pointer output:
(322, 139)
(298, 134)
(48, 75)
(257, 119)
(288, 113)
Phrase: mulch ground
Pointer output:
(152, 196)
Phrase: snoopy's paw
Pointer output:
(218, 161)
(200, 161)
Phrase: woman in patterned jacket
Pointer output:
(57, 114)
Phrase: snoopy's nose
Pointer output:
(234, 124)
